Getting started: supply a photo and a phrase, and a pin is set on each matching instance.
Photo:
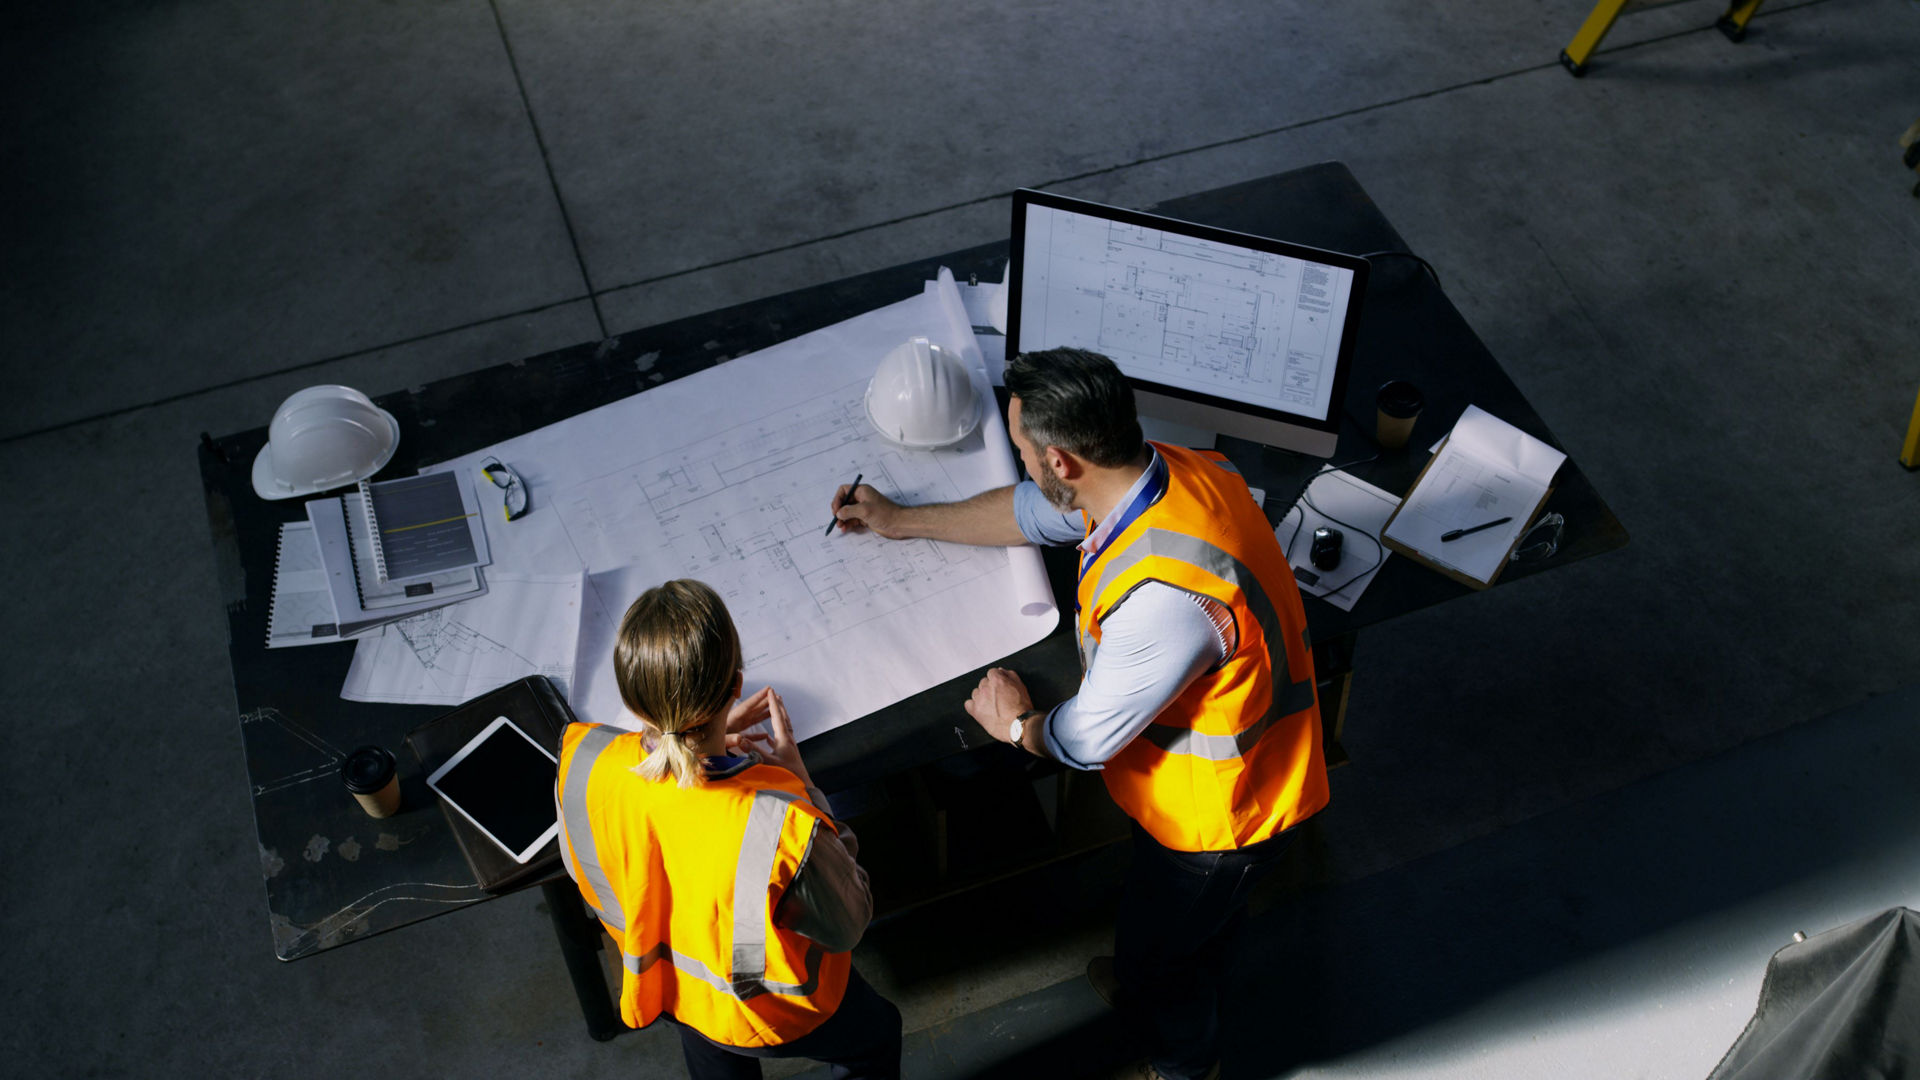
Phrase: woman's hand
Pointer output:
(747, 712)
(778, 747)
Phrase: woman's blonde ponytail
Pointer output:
(670, 755)
(676, 660)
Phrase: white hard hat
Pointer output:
(922, 397)
(323, 437)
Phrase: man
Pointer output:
(1197, 697)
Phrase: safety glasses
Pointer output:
(513, 493)
(1541, 541)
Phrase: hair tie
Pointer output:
(673, 734)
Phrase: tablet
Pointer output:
(502, 781)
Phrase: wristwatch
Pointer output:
(1019, 726)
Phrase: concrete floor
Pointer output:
(1699, 263)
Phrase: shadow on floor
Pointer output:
(1328, 971)
(1346, 968)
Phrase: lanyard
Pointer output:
(1148, 494)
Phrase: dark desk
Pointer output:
(333, 875)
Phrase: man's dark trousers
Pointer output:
(1177, 920)
(861, 1040)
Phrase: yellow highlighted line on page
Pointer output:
(424, 524)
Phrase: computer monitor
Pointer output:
(1217, 330)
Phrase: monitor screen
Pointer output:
(1218, 330)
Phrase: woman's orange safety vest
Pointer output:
(686, 880)
(1236, 758)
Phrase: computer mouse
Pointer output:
(1325, 552)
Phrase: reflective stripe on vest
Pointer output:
(1236, 756)
(576, 832)
(757, 851)
(742, 989)
(733, 985)
(1289, 696)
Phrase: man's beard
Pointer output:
(1057, 493)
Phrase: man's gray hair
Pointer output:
(1078, 401)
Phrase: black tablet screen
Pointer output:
(506, 784)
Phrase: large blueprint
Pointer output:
(726, 476)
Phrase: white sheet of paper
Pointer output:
(301, 600)
(527, 624)
(993, 348)
(1362, 511)
(727, 476)
(986, 305)
(1485, 469)
(978, 300)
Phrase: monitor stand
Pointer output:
(1177, 434)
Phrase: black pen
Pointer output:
(1456, 534)
(836, 515)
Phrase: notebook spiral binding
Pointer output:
(273, 607)
(376, 549)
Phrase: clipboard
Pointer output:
(1433, 564)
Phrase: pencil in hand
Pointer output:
(836, 517)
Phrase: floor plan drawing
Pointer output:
(1214, 317)
(1235, 317)
(745, 510)
(726, 475)
(452, 654)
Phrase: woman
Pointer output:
(714, 861)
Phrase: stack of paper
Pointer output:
(1483, 471)
(328, 583)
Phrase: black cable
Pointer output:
(1379, 551)
(1308, 482)
(1431, 272)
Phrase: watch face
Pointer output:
(1018, 729)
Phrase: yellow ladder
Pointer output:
(1910, 450)
(1574, 56)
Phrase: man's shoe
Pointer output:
(1100, 973)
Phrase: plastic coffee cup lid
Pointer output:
(367, 770)
(1400, 399)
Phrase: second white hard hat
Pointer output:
(323, 437)
(922, 397)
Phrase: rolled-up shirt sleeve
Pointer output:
(1040, 522)
(1151, 647)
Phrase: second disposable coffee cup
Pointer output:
(370, 775)
(1398, 404)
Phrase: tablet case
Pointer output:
(537, 707)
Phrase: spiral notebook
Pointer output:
(420, 526)
(301, 612)
(361, 601)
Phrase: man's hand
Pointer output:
(984, 520)
(999, 698)
(777, 748)
(862, 508)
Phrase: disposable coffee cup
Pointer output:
(1398, 404)
(370, 775)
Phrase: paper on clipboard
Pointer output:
(1484, 470)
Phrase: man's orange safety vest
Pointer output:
(1236, 758)
(686, 880)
